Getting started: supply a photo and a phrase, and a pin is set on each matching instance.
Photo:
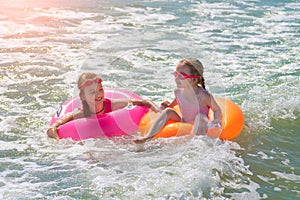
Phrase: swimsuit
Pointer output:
(189, 108)
(107, 109)
(107, 106)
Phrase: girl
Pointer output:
(94, 103)
(193, 100)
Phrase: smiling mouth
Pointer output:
(99, 99)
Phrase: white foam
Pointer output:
(286, 176)
(172, 167)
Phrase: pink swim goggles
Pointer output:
(183, 76)
(90, 82)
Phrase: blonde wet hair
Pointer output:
(196, 69)
(84, 77)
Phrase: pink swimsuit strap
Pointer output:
(107, 106)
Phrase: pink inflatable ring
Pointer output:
(119, 122)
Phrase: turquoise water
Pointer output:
(251, 54)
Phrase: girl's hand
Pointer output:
(52, 133)
(164, 105)
(214, 124)
(151, 105)
(214, 129)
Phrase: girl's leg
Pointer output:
(160, 121)
(200, 125)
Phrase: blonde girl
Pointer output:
(193, 99)
(93, 99)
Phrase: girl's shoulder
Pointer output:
(78, 114)
(177, 90)
(204, 94)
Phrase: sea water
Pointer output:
(250, 51)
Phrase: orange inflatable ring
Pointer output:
(232, 122)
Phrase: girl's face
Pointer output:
(94, 96)
(181, 71)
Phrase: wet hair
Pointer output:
(83, 78)
(196, 69)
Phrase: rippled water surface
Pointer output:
(250, 50)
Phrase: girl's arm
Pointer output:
(211, 102)
(52, 131)
(121, 103)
